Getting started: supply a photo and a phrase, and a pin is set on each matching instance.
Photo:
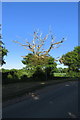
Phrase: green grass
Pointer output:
(59, 74)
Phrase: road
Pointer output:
(55, 101)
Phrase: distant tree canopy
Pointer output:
(3, 50)
(72, 59)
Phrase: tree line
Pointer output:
(39, 63)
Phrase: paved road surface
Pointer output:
(55, 101)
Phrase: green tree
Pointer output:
(47, 65)
(32, 62)
(39, 57)
(64, 70)
(3, 50)
(60, 69)
(72, 59)
(50, 68)
(39, 74)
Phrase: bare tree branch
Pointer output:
(37, 44)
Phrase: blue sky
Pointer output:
(21, 18)
(40, 0)
(0, 12)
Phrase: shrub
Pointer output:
(9, 76)
(38, 74)
(49, 72)
(73, 74)
(24, 78)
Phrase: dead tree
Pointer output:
(38, 42)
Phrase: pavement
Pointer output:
(55, 101)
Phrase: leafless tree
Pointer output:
(38, 42)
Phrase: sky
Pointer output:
(40, 0)
(0, 12)
(19, 19)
